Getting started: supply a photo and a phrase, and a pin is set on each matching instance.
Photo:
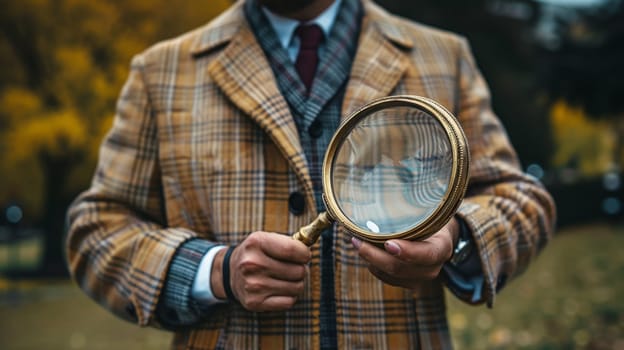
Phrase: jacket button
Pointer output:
(315, 129)
(296, 203)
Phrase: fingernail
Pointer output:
(356, 243)
(392, 248)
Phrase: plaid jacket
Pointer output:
(203, 145)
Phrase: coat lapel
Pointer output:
(245, 77)
(380, 61)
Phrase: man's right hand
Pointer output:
(267, 271)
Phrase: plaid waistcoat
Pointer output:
(204, 145)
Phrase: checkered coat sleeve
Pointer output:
(510, 214)
(204, 147)
(119, 244)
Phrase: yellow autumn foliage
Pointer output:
(581, 142)
(55, 135)
(62, 66)
(52, 136)
(17, 103)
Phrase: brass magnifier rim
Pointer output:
(458, 179)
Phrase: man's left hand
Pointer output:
(406, 263)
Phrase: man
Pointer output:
(214, 159)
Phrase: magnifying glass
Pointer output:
(397, 168)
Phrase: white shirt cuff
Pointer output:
(202, 291)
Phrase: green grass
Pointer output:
(570, 298)
(58, 315)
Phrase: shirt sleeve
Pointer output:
(202, 290)
(469, 287)
(465, 278)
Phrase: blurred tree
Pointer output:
(62, 64)
(500, 33)
(581, 143)
(584, 65)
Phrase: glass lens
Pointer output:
(392, 170)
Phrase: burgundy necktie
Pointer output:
(307, 59)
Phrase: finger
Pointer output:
(286, 271)
(277, 303)
(375, 256)
(282, 247)
(397, 267)
(256, 263)
(431, 252)
(263, 294)
(271, 287)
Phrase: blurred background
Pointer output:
(555, 68)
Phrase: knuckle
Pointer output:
(254, 239)
(249, 266)
(253, 286)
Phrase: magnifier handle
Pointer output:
(310, 233)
